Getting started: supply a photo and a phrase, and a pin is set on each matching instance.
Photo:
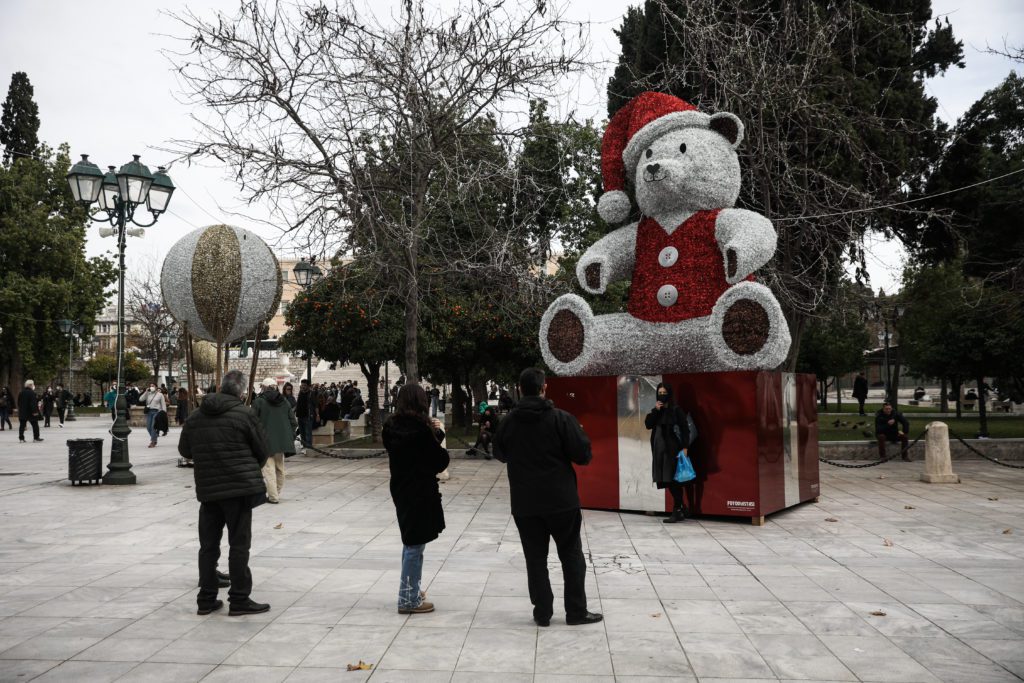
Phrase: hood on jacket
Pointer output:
(533, 408)
(218, 404)
(272, 396)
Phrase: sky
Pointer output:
(104, 87)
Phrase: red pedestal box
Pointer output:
(756, 453)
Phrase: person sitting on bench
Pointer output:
(891, 425)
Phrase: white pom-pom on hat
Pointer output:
(614, 206)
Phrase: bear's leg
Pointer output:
(747, 328)
(575, 342)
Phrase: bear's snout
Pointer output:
(655, 172)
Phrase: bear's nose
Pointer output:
(653, 168)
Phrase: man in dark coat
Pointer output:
(225, 441)
(305, 412)
(540, 443)
(28, 411)
(860, 390)
(64, 399)
(891, 425)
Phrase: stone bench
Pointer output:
(324, 436)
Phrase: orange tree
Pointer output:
(343, 319)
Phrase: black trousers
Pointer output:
(22, 421)
(534, 533)
(46, 416)
(62, 413)
(236, 514)
(860, 402)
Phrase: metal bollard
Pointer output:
(938, 468)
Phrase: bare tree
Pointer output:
(144, 306)
(362, 133)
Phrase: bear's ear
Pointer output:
(728, 126)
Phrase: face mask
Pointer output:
(662, 397)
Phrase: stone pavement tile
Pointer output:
(635, 615)
(317, 675)
(160, 672)
(196, 652)
(44, 647)
(125, 610)
(507, 612)
(318, 608)
(574, 678)
(59, 607)
(248, 674)
(1011, 616)
(478, 677)
(648, 654)
(700, 616)
(765, 617)
(435, 649)
(118, 649)
(951, 660)
(876, 659)
(94, 672)
(573, 651)
(346, 645)
(1007, 653)
(498, 650)
(28, 626)
(409, 676)
(724, 656)
(88, 627)
(800, 657)
(279, 645)
(24, 669)
(224, 629)
(152, 627)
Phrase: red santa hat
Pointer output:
(634, 127)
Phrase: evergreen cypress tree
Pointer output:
(19, 125)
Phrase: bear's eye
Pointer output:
(650, 153)
(682, 148)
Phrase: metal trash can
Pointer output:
(85, 460)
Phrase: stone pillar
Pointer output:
(938, 469)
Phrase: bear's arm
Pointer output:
(747, 241)
(608, 260)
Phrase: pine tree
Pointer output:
(19, 125)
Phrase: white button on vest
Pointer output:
(668, 256)
(667, 295)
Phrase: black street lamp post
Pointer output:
(168, 339)
(118, 195)
(888, 316)
(70, 328)
(307, 274)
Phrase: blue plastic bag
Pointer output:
(684, 468)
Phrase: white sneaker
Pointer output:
(61, 426)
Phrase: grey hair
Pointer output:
(233, 383)
(30, 384)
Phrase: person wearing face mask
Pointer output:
(154, 402)
(669, 435)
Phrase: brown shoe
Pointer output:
(422, 608)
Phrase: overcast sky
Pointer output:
(103, 86)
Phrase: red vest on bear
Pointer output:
(679, 276)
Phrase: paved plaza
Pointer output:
(886, 579)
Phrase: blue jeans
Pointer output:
(306, 431)
(412, 572)
(150, 418)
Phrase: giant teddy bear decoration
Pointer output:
(693, 304)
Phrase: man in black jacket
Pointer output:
(860, 390)
(539, 443)
(891, 425)
(28, 411)
(226, 443)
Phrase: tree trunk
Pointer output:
(839, 394)
(896, 379)
(944, 401)
(479, 385)
(823, 394)
(956, 392)
(458, 401)
(371, 371)
(982, 408)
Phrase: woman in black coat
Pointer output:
(415, 456)
(669, 435)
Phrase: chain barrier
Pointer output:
(974, 450)
(343, 456)
(877, 462)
